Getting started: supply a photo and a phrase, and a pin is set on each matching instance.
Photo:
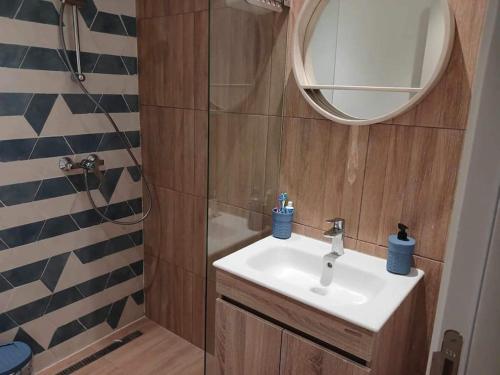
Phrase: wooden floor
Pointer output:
(157, 351)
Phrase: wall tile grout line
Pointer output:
(3, 243)
(33, 149)
(75, 222)
(69, 146)
(28, 104)
(123, 24)
(37, 190)
(24, 57)
(18, 9)
(39, 233)
(7, 281)
(364, 182)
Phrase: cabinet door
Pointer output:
(244, 343)
(303, 357)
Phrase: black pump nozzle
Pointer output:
(402, 235)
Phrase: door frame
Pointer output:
(474, 212)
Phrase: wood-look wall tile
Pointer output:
(278, 64)
(198, 321)
(168, 296)
(152, 225)
(201, 55)
(199, 233)
(166, 205)
(188, 233)
(200, 5)
(304, 157)
(200, 153)
(161, 8)
(183, 151)
(347, 186)
(425, 312)
(150, 140)
(148, 34)
(239, 158)
(183, 222)
(181, 302)
(322, 169)
(417, 168)
(272, 163)
(430, 195)
(385, 182)
(175, 148)
(371, 249)
(167, 66)
(242, 63)
(470, 18)
(184, 67)
(152, 287)
(145, 8)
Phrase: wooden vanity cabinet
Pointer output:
(249, 345)
(244, 343)
(301, 356)
(260, 332)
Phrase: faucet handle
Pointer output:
(338, 223)
(338, 227)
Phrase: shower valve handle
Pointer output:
(92, 164)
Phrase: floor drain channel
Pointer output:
(101, 353)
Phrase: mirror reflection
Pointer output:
(366, 58)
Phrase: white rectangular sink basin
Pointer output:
(362, 292)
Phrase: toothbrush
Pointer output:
(282, 198)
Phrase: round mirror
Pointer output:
(360, 62)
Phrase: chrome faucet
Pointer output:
(336, 233)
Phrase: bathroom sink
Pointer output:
(361, 292)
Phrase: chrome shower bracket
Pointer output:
(76, 31)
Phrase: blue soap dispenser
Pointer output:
(401, 247)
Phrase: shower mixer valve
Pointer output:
(90, 164)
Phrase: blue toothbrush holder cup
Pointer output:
(282, 224)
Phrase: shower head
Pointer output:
(256, 6)
(273, 5)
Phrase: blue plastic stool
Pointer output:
(15, 358)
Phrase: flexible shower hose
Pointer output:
(122, 136)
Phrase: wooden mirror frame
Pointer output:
(317, 100)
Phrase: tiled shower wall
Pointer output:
(66, 277)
